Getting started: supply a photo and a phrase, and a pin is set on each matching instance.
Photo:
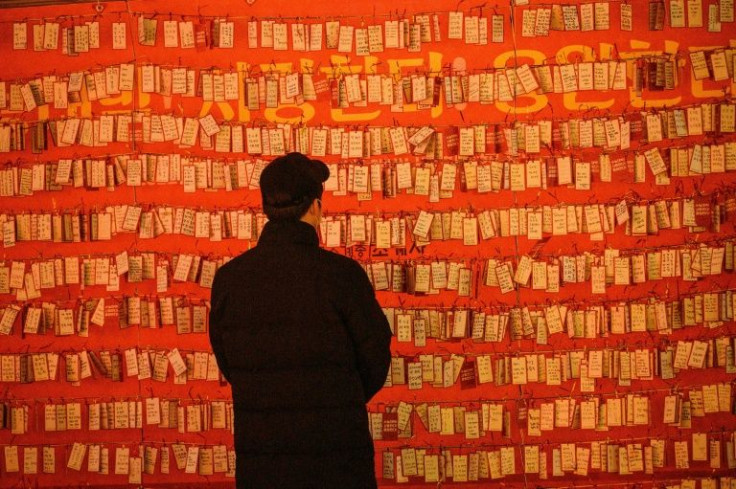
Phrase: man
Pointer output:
(298, 333)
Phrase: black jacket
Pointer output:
(299, 335)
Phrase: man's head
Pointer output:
(290, 185)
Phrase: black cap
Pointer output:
(291, 180)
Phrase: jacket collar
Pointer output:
(288, 231)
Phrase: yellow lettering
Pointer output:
(634, 100)
(83, 108)
(698, 88)
(638, 44)
(640, 103)
(43, 112)
(435, 66)
(144, 99)
(302, 113)
(566, 54)
(226, 110)
(606, 51)
(700, 92)
(671, 47)
(306, 65)
(340, 116)
(79, 109)
(585, 54)
(527, 103)
(277, 67)
(395, 66)
(243, 112)
(341, 66)
(125, 98)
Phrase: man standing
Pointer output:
(298, 333)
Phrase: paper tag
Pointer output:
(177, 362)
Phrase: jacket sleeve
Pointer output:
(370, 332)
(218, 302)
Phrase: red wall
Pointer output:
(631, 184)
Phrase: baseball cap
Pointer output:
(291, 180)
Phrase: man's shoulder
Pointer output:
(235, 263)
(341, 262)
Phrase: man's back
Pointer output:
(299, 335)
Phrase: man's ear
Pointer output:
(314, 209)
